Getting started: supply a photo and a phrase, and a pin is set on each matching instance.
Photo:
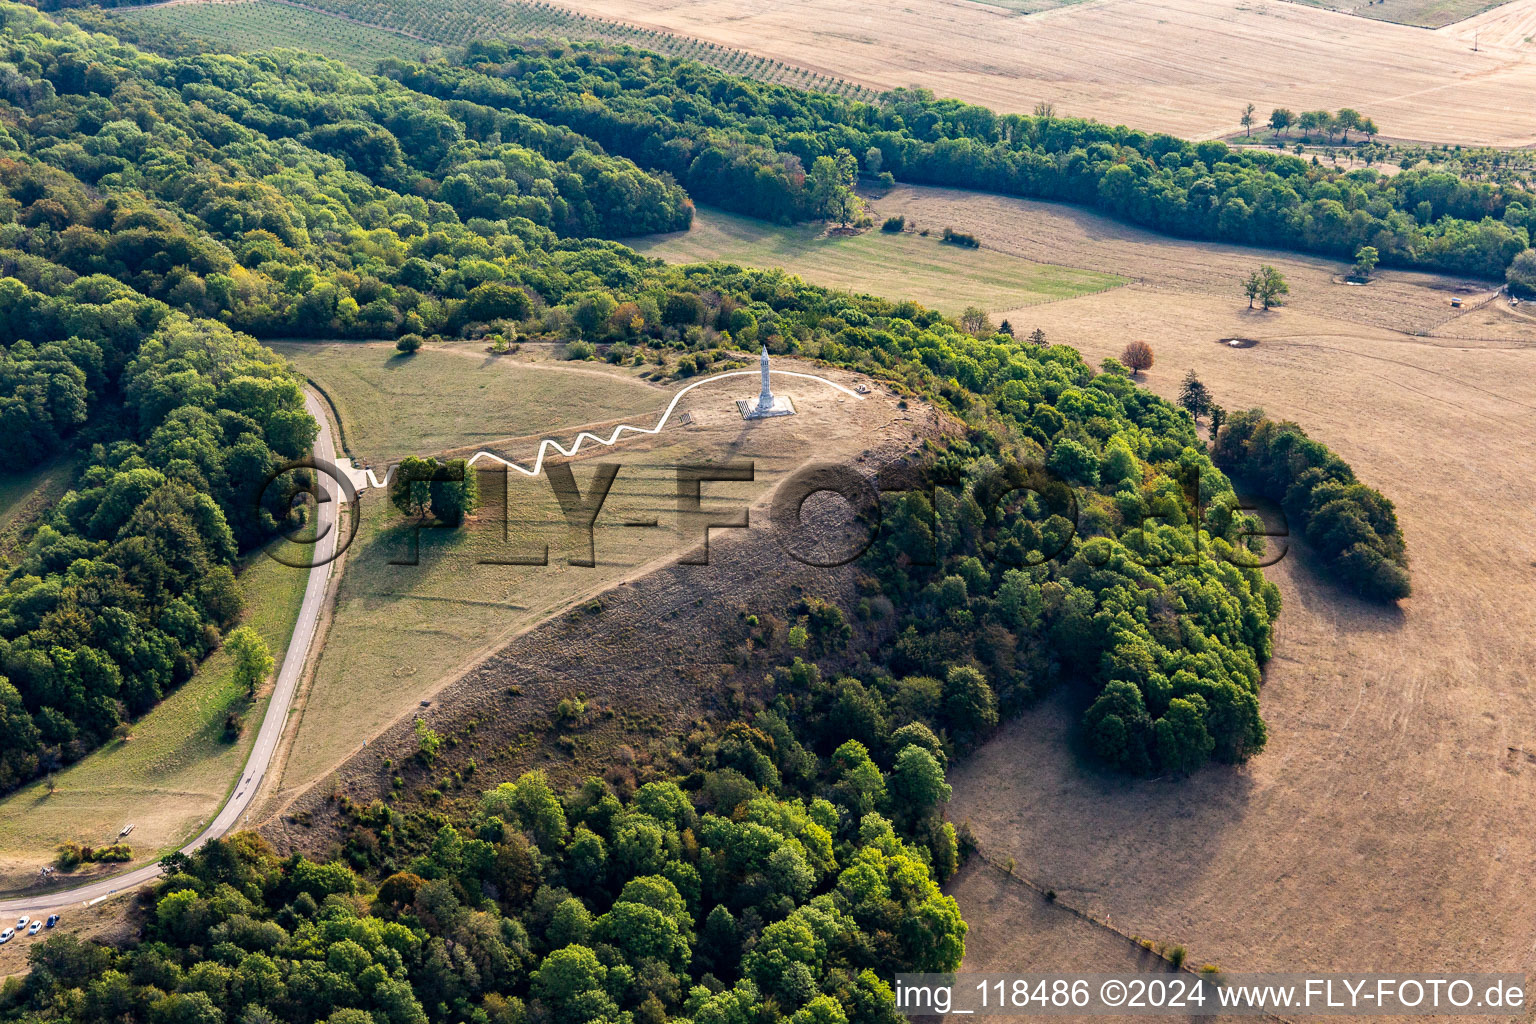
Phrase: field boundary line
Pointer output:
(1049, 895)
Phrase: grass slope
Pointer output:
(401, 630)
(452, 396)
(174, 771)
(902, 266)
(23, 496)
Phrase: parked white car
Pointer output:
(7, 935)
(34, 927)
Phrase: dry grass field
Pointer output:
(1405, 301)
(173, 772)
(1180, 66)
(1386, 825)
(399, 632)
(502, 717)
(454, 396)
(899, 265)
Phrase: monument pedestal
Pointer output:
(767, 403)
(754, 409)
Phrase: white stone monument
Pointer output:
(767, 403)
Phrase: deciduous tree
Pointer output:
(1138, 356)
(253, 659)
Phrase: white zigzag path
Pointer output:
(298, 651)
(549, 443)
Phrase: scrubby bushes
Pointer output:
(961, 238)
(72, 855)
(1353, 527)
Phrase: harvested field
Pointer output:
(1406, 301)
(400, 632)
(898, 265)
(1510, 26)
(1181, 66)
(1385, 825)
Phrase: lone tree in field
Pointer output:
(1280, 119)
(1365, 261)
(1247, 119)
(1037, 337)
(1267, 285)
(1271, 287)
(1138, 356)
(253, 660)
(1194, 396)
(1005, 328)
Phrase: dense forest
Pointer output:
(212, 216)
(139, 222)
(784, 862)
(745, 145)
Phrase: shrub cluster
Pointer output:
(72, 855)
(954, 237)
(1353, 527)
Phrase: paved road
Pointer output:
(271, 726)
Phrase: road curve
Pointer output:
(271, 726)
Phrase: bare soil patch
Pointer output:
(111, 921)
